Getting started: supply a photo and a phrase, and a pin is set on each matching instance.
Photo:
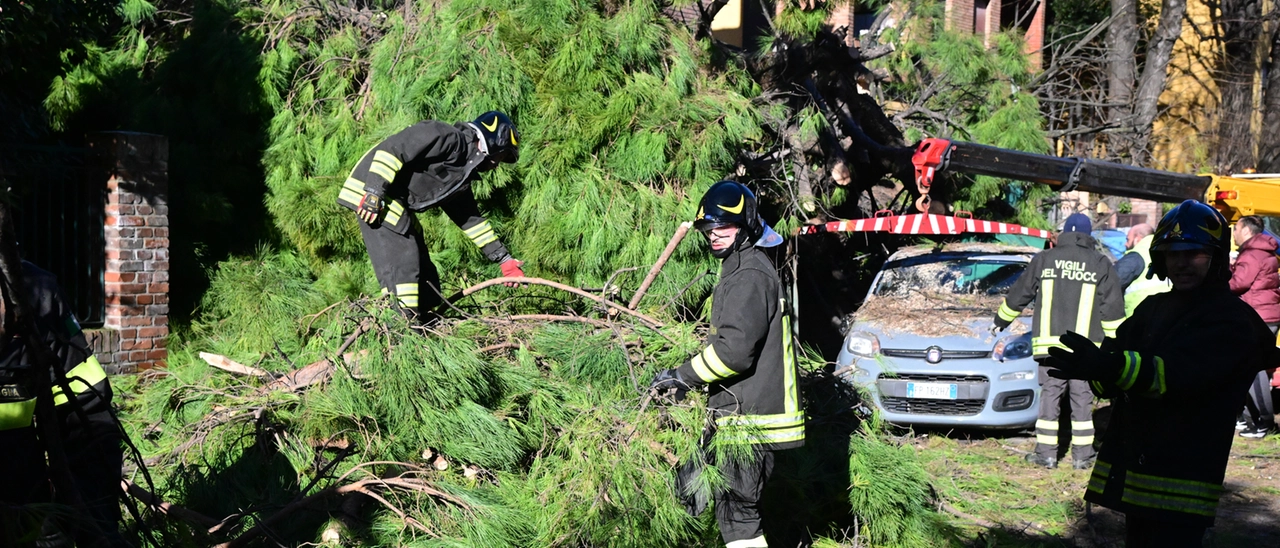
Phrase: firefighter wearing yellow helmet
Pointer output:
(426, 165)
(747, 365)
(1176, 373)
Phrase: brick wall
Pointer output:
(1035, 37)
(136, 231)
(1149, 210)
(959, 15)
(992, 22)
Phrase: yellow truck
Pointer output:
(1243, 194)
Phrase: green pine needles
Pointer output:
(488, 431)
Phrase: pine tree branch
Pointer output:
(176, 512)
(662, 260)
(364, 487)
(655, 324)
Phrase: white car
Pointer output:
(920, 343)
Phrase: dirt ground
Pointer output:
(996, 499)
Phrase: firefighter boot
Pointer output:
(1043, 461)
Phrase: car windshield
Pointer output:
(988, 276)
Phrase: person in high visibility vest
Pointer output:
(426, 165)
(1074, 287)
(1134, 264)
(91, 437)
(1175, 374)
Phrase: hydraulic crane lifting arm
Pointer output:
(1062, 174)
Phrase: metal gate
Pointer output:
(59, 198)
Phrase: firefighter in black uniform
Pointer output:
(91, 438)
(748, 364)
(1075, 288)
(1176, 373)
(427, 164)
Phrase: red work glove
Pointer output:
(370, 208)
(511, 269)
(1275, 379)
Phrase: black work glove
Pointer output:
(370, 208)
(1084, 360)
(998, 324)
(669, 382)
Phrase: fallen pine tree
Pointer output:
(483, 430)
(521, 420)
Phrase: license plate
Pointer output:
(931, 390)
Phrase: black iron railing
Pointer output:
(58, 199)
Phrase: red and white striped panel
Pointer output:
(923, 223)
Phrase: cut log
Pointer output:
(226, 364)
(314, 373)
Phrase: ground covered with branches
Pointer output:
(293, 415)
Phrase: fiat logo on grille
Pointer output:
(933, 354)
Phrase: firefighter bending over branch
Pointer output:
(425, 165)
(90, 437)
(1074, 288)
(1176, 374)
(748, 365)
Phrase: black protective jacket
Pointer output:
(1075, 289)
(749, 362)
(427, 164)
(61, 333)
(1189, 359)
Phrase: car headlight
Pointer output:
(863, 344)
(1012, 347)
(1018, 376)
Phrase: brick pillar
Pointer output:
(959, 16)
(137, 249)
(992, 24)
(1035, 37)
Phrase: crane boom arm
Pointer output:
(1062, 174)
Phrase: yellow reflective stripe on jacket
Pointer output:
(747, 437)
(352, 192)
(481, 234)
(1176, 486)
(709, 367)
(1041, 345)
(764, 421)
(760, 429)
(17, 414)
(1045, 310)
(407, 294)
(395, 210)
(1084, 313)
(1158, 386)
(1132, 364)
(1098, 479)
(388, 159)
(1098, 389)
(1109, 327)
(1188, 505)
(81, 377)
(1005, 313)
(1178, 495)
(382, 170)
(791, 392)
